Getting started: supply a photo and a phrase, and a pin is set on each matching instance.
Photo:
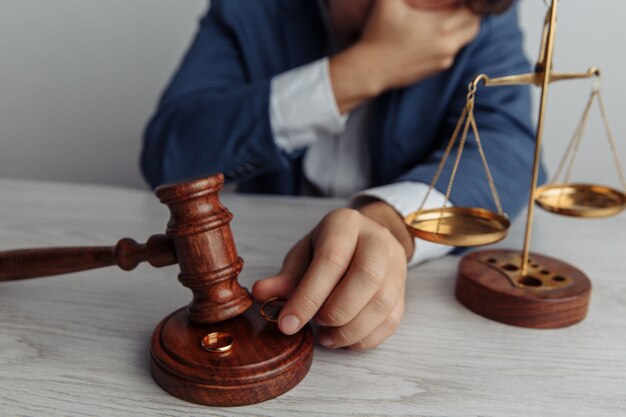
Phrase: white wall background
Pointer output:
(79, 79)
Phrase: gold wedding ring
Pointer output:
(276, 302)
(218, 342)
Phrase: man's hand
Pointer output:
(348, 274)
(401, 44)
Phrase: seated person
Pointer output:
(349, 98)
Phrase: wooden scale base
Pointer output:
(262, 364)
(552, 294)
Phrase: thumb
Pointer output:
(294, 266)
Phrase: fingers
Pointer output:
(456, 26)
(366, 322)
(381, 310)
(294, 266)
(349, 273)
(459, 29)
(362, 281)
(382, 332)
(334, 242)
(468, 32)
(459, 20)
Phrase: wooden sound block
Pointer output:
(553, 293)
(262, 364)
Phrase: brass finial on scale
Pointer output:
(509, 286)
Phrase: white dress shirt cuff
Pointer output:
(406, 197)
(303, 106)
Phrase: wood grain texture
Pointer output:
(262, 362)
(77, 345)
(199, 226)
(19, 264)
(488, 292)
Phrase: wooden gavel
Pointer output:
(217, 351)
(198, 238)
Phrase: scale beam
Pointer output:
(533, 78)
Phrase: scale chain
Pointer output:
(573, 147)
(466, 121)
(492, 185)
(570, 146)
(578, 136)
(609, 134)
(444, 159)
(459, 152)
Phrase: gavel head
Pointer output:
(205, 249)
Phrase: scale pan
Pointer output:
(458, 226)
(580, 200)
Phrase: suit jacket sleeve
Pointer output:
(213, 116)
(504, 124)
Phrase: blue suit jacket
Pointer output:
(214, 115)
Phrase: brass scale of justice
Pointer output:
(522, 289)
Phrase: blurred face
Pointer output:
(348, 17)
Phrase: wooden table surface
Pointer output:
(78, 345)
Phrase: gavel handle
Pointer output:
(127, 254)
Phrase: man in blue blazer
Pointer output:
(352, 98)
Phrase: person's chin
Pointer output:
(434, 4)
